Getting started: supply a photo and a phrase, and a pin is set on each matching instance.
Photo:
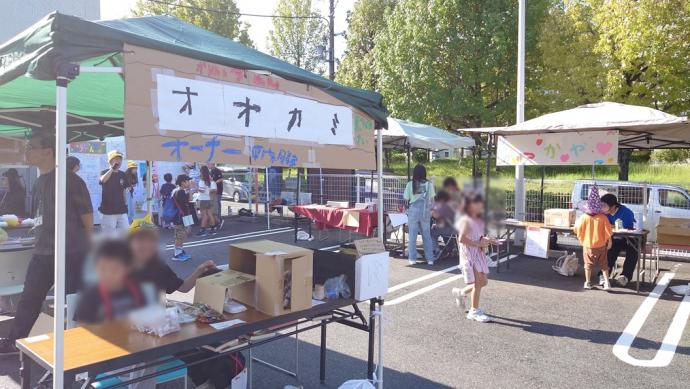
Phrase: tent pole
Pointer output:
(486, 178)
(268, 201)
(379, 168)
(60, 226)
(541, 193)
(149, 189)
(408, 162)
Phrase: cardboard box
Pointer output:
(281, 270)
(211, 290)
(674, 231)
(559, 217)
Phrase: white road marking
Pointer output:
(423, 290)
(223, 238)
(230, 239)
(420, 279)
(664, 355)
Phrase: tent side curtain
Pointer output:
(401, 133)
(59, 38)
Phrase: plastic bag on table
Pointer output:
(337, 287)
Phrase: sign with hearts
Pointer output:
(572, 149)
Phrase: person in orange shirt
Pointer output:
(594, 231)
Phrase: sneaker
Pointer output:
(602, 280)
(588, 285)
(607, 285)
(212, 231)
(182, 257)
(7, 347)
(220, 225)
(622, 280)
(412, 261)
(460, 299)
(430, 263)
(478, 315)
(202, 232)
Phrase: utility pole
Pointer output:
(520, 115)
(331, 39)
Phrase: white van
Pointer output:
(662, 200)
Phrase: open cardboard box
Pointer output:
(284, 275)
(675, 231)
(371, 269)
(211, 290)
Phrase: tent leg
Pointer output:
(60, 219)
(379, 167)
(268, 201)
(489, 147)
(408, 162)
(149, 189)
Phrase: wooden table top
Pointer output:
(99, 343)
(522, 224)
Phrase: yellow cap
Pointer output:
(143, 225)
(131, 164)
(114, 154)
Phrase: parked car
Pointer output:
(236, 184)
(662, 200)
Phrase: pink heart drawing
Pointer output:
(540, 141)
(604, 148)
(529, 155)
(565, 157)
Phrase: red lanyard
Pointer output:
(107, 302)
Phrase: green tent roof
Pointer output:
(29, 61)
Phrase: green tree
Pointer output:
(295, 39)
(644, 45)
(365, 21)
(452, 63)
(566, 72)
(219, 16)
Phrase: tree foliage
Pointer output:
(296, 40)
(365, 21)
(452, 63)
(202, 13)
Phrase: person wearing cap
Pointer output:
(618, 211)
(73, 164)
(594, 232)
(113, 205)
(14, 200)
(180, 198)
(148, 267)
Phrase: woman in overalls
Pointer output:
(419, 193)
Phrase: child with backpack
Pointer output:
(165, 193)
(594, 232)
(183, 217)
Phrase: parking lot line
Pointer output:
(666, 351)
(420, 279)
(223, 238)
(423, 290)
(231, 239)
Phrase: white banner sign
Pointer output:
(572, 148)
(231, 109)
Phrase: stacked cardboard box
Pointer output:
(284, 276)
(559, 217)
(674, 231)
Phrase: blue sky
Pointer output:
(115, 9)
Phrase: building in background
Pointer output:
(17, 15)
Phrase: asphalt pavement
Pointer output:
(547, 331)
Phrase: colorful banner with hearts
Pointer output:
(572, 149)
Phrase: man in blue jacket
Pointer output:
(626, 216)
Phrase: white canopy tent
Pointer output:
(639, 127)
(402, 133)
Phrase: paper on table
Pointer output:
(397, 219)
(226, 324)
(316, 302)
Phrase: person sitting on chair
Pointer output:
(444, 215)
(619, 244)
